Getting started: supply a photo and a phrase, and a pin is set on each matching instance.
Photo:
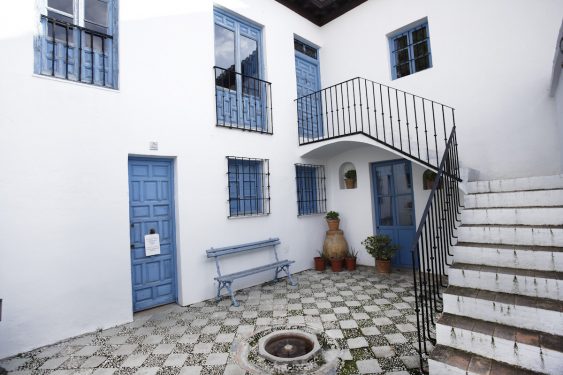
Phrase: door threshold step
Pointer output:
(445, 360)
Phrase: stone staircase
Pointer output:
(503, 309)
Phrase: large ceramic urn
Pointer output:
(335, 245)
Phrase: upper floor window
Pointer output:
(249, 186)
(243, 98)
(311, 191)
(77, 41)
(410, 51)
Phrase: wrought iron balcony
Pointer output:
(243, 102)
(409, 124)
(75, 53)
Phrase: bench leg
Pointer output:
(235, 302)
(286, 270)
(220, 285)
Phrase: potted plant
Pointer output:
(382, 249)
(320, 262)
(350, 259)
(332, 219)
(336, 264)
(350, 179)
(428, 178)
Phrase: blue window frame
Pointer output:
(410, 50)
(242, 97)
(249, 186)
(311, 191)
(77, 41)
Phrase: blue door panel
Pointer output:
(152, 208)
(309, 110)
(394, 206)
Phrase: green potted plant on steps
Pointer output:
(382, 249)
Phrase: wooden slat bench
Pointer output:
(225, 281)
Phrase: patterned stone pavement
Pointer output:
(370, 315)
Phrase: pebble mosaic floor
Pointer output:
(370, 315)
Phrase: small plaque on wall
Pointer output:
(152, 244)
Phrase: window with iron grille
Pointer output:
(77, 41)
(311, 191)
(249, 186)
(410, 50)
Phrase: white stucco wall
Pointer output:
(64, 219)
(558, 97)
(491, 61)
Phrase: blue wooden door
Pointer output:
(394, 206)
(309, 109)
(151, 210)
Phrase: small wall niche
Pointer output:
(347, 176)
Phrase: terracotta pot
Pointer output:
(333, 224)
(320, 264)
(335, 245)
(350, 263)
(350, 183)
(336, 264)
(383, 266)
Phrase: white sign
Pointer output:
(152, 244)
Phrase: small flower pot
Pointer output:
(333, 224)
(350, 183)
(350, 263)
(336, 264)
(320, 264)
(383, 266)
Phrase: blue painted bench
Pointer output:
(225, 281)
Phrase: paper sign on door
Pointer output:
(152, 244)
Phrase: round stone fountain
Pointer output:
(288, 346)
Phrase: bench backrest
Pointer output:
(216, 253)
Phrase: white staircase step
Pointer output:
(538, 314)
(526, 183)
(532, 198)
(542, 284)
(523, 257)
(449, 361)
(514, 216)
(512, 234)
(532, 350)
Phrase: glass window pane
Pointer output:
(384, 180)
(420, 49)
(402, 56)
(419, 35)
(62, 5)
(401, 42)
(404, 210)
(403, 70)
(422, 63)
(60, 17)
(385, 211)
(96, 12)
(402, 179)
(249, 57)
(224, 48)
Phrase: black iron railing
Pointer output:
(243, 102)
(76, 53)
(409, 124)
(435, 235)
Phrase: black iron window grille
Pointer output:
(311, 190)
(243, 102)
(410, 51)
(249, 186)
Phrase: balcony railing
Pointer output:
(243, 102)
(75, 53)
(409, 124)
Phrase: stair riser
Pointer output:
(502, 350)
(439, 368)
(522, 259)
(530, 183)
(505, 283)
(512, 236)
(515, 199)
(517, 316)
(514, 216)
